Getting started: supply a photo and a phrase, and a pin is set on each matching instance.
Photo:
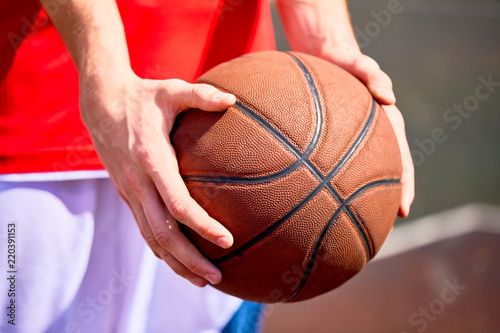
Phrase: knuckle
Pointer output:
(204, 231)
(194, 266)
(143, 155)
(371, 63)
(179, 270)
(178, 208)
(151, 241)
(203, 90)
(165, 239)
(368, 66)
(175, 82)
(131, 177)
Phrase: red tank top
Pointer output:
(40, 125)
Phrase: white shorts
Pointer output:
(81, 265)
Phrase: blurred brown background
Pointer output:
(439, 271)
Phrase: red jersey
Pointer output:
(40, 125)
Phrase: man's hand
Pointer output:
(323, 28)
(130, 120)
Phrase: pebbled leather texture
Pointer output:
(304, 171)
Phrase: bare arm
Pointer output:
(130, 119)
(323, 28)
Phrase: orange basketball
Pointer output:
(304, 170)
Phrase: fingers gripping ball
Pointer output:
(304, 170)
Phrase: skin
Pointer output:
(130, 118)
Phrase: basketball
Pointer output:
(304, 170)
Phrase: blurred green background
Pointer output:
(435, 51)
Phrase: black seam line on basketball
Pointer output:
(324, 183)
(317, 104)
(356, 142)
(243, 180)
(388, 181)
(289, 146)
(312, 168)
(269, 229)
(317, 246)
(361, 231)
(301, 157)
(294, 210)
(326, 180)
(329, 224)
(246, 180)
(368, 242)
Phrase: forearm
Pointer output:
(93, 33)
(313, 25)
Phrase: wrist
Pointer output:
(103, 93)
(100, 57)
(104, 73)
(318, 27)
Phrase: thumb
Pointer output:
(198, 96)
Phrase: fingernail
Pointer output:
(199, 282)
(224, 242)
(213, 278)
